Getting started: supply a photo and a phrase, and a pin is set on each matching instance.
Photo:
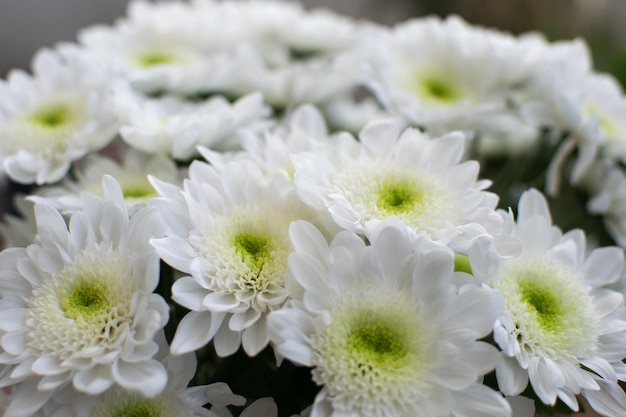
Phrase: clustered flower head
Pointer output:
(249, 207)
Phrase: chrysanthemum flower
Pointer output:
(53, 118)
(227, 229)
(78, 305)
(131, 173)
(177, 399)
(420, 180)
(445, 73)
(561, 329)
(383, 327)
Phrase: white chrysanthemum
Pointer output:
(176, 400)
(228, 230)
(156, 48)
(78, 304)
(295, 56)
(384, 328)
(175, 127)
(420, 180)
(446, 72)
(131, 174)
(561, 329)
(53, 118)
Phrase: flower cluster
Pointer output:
(326, 217)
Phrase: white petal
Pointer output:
(479, 401)
(147, 377)
(195, 330)
(95, 380)
(512, 378)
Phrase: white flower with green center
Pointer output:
(446, 73)
(131, 174)
(53, 118)
(406, 174)
(228, 229)
(80, 306)
(384, 328)
(561, 329)
(177, 399)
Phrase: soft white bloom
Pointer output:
(561, 329)
(294, 55)
(78, 306)
(384, 328)
(406, 174)
(54, 117)
(227, 229)
(131, 174)
(176, 400)
(445, 73)
(174, 126)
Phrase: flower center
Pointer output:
(552, 311)
(141, 409)
(86, 299)
(436, 88)
(375, 344)
(542, 302)
(51, 116)
(154, 58)
(255, 249)
(379, 190)
(399, 196)
(376, 341)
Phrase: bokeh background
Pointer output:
(27, 25)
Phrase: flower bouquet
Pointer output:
(249, 208)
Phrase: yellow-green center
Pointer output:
(255, 249)
(462, 263)
(138, 409)
(151, 59)
(375, 341)
(85, 300)
(542, 302)
(398, 196)
(51, 116)
(136, 187)
(439, 89)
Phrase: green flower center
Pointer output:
(51, 116)
(151, 59)
(254, 249)
(86, 299)
(142, 409)
(543, 303)
(439, 89)
(399, 196)
(136, 187)
(375, 341)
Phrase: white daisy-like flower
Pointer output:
(300, 56)
(174, 126)
(385, 330)
(79, 306)
(227, 229)
(155, 49)
(420, 180)
(445, 72)
(131, 174)
(54, 117)
(176, 400)
(561, 328)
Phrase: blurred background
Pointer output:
(26, 25)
